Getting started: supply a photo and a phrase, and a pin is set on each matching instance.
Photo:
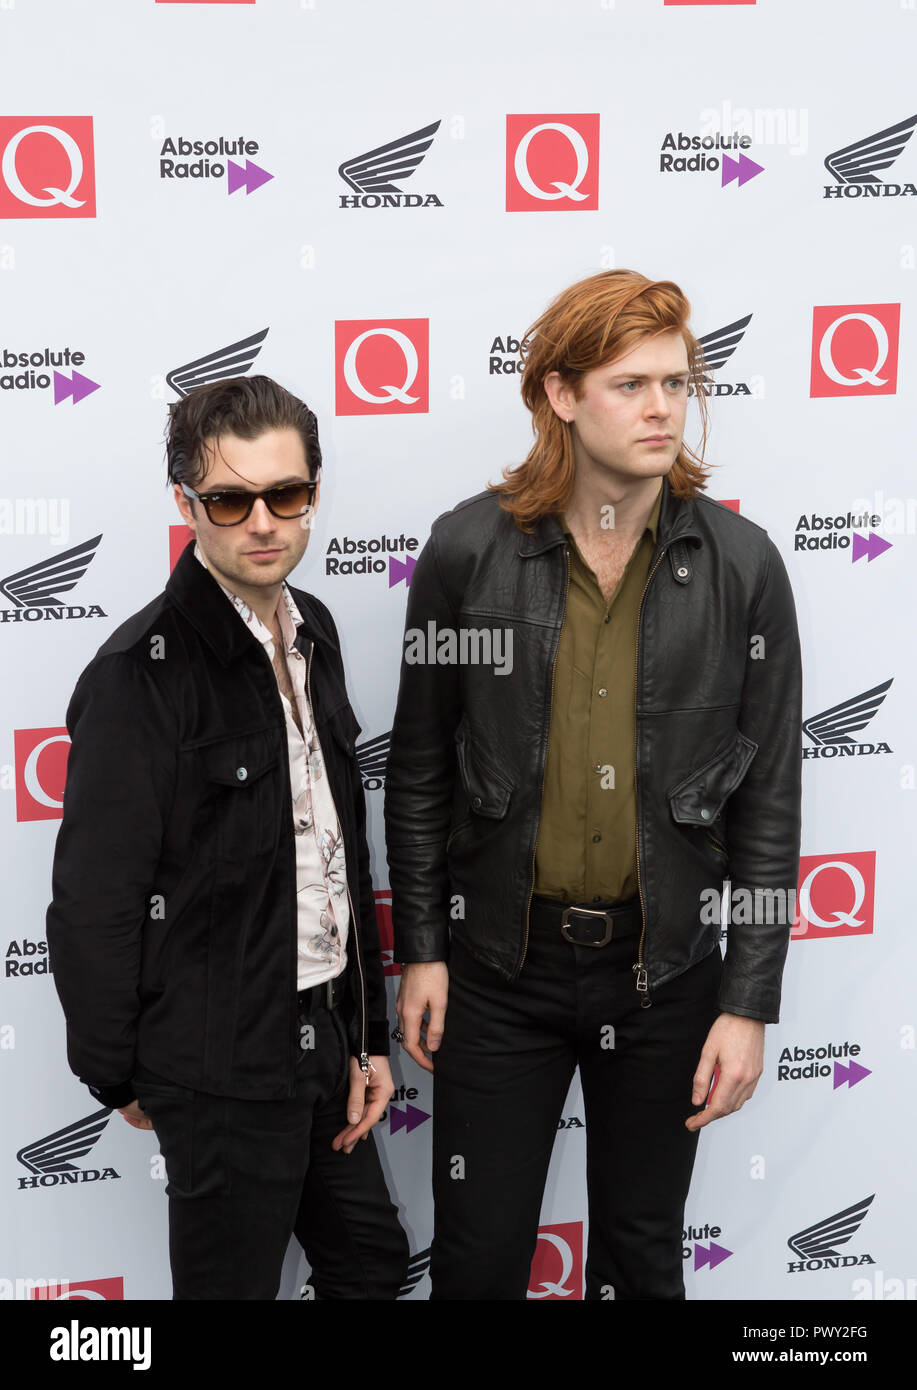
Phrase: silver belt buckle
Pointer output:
(586, 912)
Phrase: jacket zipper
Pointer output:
(528, 910)
(642, 984)
(354, 924)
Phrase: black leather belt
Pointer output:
(327, 995)
(594, 925)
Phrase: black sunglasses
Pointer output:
(229, 508)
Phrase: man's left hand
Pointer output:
(736, 1046)
(366, 1100)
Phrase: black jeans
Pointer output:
(243, 1175)
(501, 1076)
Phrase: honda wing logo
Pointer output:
(39, 585)
(234, 360)
(817, 1245)
(417, 1268)
(838, 724)
(52, 1161)
(716, 348)
(857, 163)
(377, 170)
(372, 759)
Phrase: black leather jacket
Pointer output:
(173, 929)
(718, 712)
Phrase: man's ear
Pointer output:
(184, 506)
(559, 394)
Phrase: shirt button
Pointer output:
(596, 839)
(241, 773)
(597, 768)
(603, 692)
(596, 899)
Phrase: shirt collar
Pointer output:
(288, 615)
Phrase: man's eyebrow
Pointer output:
(233, 487)
(644, 376)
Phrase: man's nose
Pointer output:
(260, 518)
(657, 402)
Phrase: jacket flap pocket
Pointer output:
(700, 798)
(487, 791)
(240, 762)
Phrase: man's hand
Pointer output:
(135, 1116)
(424, 991)
(366, 1101)
(736, 1046)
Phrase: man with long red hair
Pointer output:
(560, 826)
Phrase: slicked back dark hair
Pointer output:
(244, 406)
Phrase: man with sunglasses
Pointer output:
(212, 931)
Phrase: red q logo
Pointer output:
(836, 895)
(381, 366)
(41, 769)
(552, 163)
(47, 167)
(855, 350)
(557, 1265)
(383, 899)
(89, 1291)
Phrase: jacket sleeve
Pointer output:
(120, 776)
(420, 777)
(763, 827)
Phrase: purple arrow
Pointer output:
(400, 569)
(409, 1118)
(852, 1072)
(249, 178)
(78, 388)
(870, 548)
(712, 1257)
(742, 169)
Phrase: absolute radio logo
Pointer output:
(382, 366)
(218, 365)
(369, 551)
(818, 1246)
(505, 357)
(47, 167)
(552, 163)
(836, 895)
(706, 1251)
(28, 371)
(40, 757)
(818, 532)
(684, 152)
(833, 731)
(405, 1116)
(715, 350)
(35, 591)
(856, 168)
(213, 158)
(855, 350)
(25, 958)
(799, 1063)
(376, 175)
(51, 1161)
(557, 1265)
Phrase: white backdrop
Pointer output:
(107, 252)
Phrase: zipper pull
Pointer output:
(642, 986)
(364, 1065)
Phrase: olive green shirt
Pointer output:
(587, 834)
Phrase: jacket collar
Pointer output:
(198, 597)
(676, 520)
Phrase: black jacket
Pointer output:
(718, 710)
(172, 932)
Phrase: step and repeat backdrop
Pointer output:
(371, 203)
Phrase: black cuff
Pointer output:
(114, 1097)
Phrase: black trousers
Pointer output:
(245, 1175)
(502, 1072)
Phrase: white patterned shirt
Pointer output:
(323, 913)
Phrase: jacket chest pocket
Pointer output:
(240, 774)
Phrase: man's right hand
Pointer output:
(135, 1116)
(424, 992)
